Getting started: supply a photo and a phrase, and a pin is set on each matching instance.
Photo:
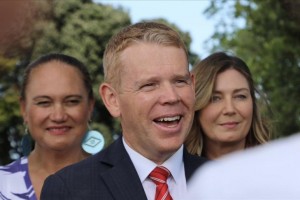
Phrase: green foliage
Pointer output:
(79, 28)
(82, 30)
(193, 58)
(270, 45)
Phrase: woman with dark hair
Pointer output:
(56, 103)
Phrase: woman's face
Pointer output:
(228, 117)
(56, 108)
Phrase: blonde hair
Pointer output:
(151, 32)
(205, 73)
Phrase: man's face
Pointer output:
(156, 99)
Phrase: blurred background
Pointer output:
(266, 34)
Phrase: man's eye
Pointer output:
(148, 86)
(181, 82)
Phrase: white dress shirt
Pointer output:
(144, 166)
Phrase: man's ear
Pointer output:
(110, 99)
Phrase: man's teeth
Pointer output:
(169, 119)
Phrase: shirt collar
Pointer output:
(144, 166)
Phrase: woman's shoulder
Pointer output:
(15, 182)
(20, 164)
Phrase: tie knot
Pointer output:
(159, 175)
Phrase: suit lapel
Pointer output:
(191, 163)
(122, 179)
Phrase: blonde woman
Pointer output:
(227, 116)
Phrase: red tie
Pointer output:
(159, 176)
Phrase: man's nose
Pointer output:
(170, 94)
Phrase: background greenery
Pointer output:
(269, 43)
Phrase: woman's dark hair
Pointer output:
(61, 58)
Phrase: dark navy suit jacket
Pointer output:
(110, 174)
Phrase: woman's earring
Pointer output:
(93, 142)
(26, 143)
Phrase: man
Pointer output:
(270, 171)
(149, 88)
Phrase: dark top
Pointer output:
(109, 174)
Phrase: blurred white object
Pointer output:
(270, 171)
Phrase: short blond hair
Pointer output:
(150, 32)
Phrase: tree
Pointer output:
(80, 28)
(17, 31)
(193, 58)
(269, 42)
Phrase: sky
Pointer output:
(186, 14)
